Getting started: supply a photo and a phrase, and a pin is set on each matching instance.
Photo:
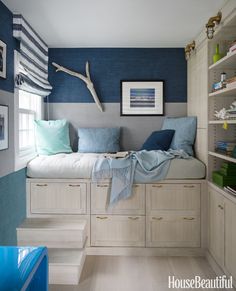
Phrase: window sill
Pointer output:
(22, 161)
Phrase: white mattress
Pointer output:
(77, 165)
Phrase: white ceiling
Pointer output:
(116, 23)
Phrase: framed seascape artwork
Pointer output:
(3, 56)
(3, 127)
(142, 98)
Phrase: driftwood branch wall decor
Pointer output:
(86, 79)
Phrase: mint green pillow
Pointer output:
(52, 137)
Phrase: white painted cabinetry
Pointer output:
(173, 215)
(216, 226)
(58, 198)
(117, 230)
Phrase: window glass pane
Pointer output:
(26, 130)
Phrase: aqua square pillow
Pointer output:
(185, 132)
(52, 137)
(99, 140)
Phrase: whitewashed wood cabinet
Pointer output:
(173, 230)
(117, 230)
(130, 222)
(173, 215)
(100, 195)
(58, 198)
(230, 237)
(216, 226)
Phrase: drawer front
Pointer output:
(173, 231)
(100, 195)
(117, 230)
(172, 197)
(58, 198)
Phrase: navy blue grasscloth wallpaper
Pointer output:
(7, 37)
(110, 65)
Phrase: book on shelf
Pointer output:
(116, 155)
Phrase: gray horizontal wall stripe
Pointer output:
(135, 129)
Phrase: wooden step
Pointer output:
(52, 232)
(65, 266)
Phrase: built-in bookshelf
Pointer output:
(218, 129)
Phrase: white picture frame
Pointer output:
(3, 59)
(142, 98)
(4, 123)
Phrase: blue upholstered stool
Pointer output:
(23, 268)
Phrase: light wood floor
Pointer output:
(116, 273)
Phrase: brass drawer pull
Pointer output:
(41, 185)
(135, 186)
(133, 218)
(221, 207)
(189, 186)
(157, 218)
(102, 217)
(157, 186)
(188, 218)
(102, 186)
(74, 185)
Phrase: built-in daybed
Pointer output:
(163, 214)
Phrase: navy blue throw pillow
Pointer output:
(159, 140)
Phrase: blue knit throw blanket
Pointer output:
(140, 167)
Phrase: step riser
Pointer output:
(51, 239)
(65, 275)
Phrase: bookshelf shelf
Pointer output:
(223, 157)
(229, 121)
(227, 62)
(227, 92)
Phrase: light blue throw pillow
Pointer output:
(185, 132)
(52, 137)
(99, 140)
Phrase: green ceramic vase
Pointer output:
(217, 56)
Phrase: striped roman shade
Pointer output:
(33, 59)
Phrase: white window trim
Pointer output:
(21, 160)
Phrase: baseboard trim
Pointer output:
(125, 251)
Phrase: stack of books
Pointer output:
(225, 147)
(226, 176)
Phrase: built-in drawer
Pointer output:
(172, 197)
(117, 230)
(173, 230)
(100, 195)
(58, 198)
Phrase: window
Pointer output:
(28, 108)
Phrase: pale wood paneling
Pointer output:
(172, 197)
(230, 237)
(58, 198)
(117, 230)
(173, 230)
(100, 195)
(216, 226)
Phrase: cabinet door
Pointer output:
(100, 194)
(173, 197)
(230, 237)
(117, 230)
(58, 198)
(173, 230)
(216, 226)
